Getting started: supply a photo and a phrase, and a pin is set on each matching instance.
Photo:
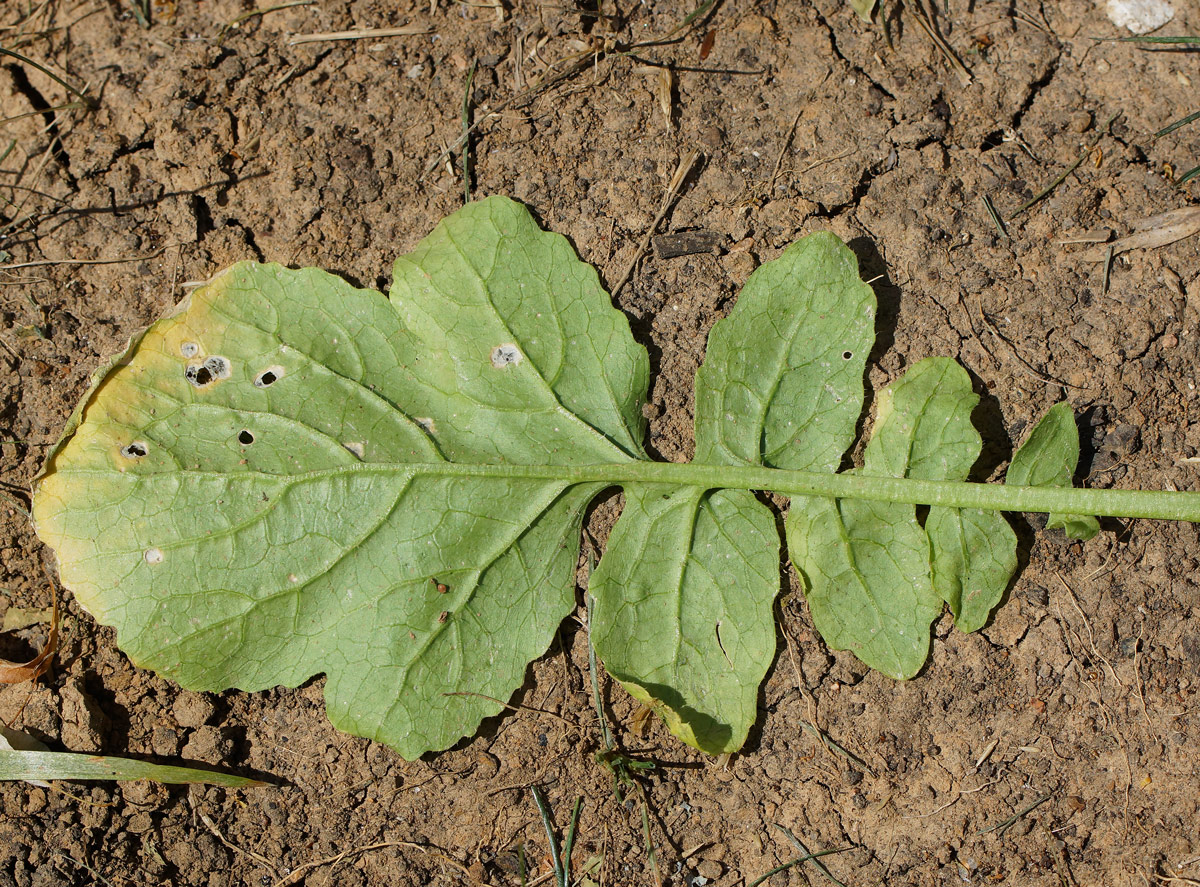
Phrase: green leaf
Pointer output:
(291, 476)
(864, 8)
(39, 766)
(1048, 458)
(782, 382)
(867, 568)
(683, 614)
(974, 557)
(923, 429)
(256, 491)
(879, 604)
(684, 593)
(923, 424)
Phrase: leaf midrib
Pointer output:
(1154, 504)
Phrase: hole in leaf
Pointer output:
(212, 370)
(504, 356)
(199, 376)
(268, 377)
(135, 450)
(245, 438)
(846, 355)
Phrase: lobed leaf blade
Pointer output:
(974, 557)
(781, 384)
(923, 429)
(251, 492)
(1048, 458)
(867, 569)
(683, 608)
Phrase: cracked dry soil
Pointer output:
(204, 150)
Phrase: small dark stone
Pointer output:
(1037, 595)
(1124, 439)
(687, 243)
(1191, 648)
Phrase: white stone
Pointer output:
(1139, 16)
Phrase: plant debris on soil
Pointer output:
(1059, 745)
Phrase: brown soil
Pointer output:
(1082, 692)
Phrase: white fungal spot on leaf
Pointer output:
(427, 423)
(212, 370)
(153, 556)
(504, 356)
(189, 349)
(269, 376)
(356, 447)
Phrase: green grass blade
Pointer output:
(1182, 121)
(51, 765)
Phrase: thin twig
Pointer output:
(681, 173)
(514, 708)
(577, 63)
(787, 141)
(212, 827)
(297, 874)
(362, 34)
(43, 262)
(1070, 169)
(520, 100)
(254, 13)
(1017, 354)
(926, 22)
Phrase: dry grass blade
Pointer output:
(1045, 192)
(995, 217)
(300, 873)
(925, 20)
(1008, 823)
(257, 13)
(1151, 232)
(1192, 173)
(1183, 121)
(362, 34)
